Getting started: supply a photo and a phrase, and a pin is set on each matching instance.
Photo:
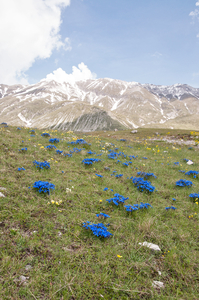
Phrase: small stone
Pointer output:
(23, 278)
(189, 162)
(28, 267)
(2, 188)
(134, 131)
(115, 129)
(158, 284)
(2, 195)
(151, 246)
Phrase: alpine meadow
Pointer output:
(99, 215)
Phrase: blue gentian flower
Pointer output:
(45, 134)
(146, 175)
(183, 182)
(41, 165)
(171, 207)
(21, 169)
(59, 151)
(50, 147)
(117, 199)
(43, 186)
(53, 140)
(90, 161)
(194, 195)
(137, 206)
(102, 215)
(23, 149)
(99, 229)
(142, 184)
(98, 175)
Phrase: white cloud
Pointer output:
(157, 54)
(80, 73)
(29, 30)
(194, 13)
(197, 3)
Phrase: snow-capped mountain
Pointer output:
(99, 104)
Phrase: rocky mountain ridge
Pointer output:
(99, 104)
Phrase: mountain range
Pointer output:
(99, 104)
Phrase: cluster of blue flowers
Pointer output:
(115, 155)
(137, 206)
(102, 215)
(142, 184)
(171, 207)
(99, 229)
(146, 175)
(90, 161)
(126, 163)
(53, 141)
(194, 195)
(185, 159)
(41, 165)
(90, 152)
(32, 131)
(45, 134)
(43, 186)
(23, 149)
(118, 175)
(98, 175)
(59, 151)
(176, 163)
(132, 156)
(191, 172)
(117, 199)
(122, 140)
(75, 150)
(21, 169)
(18, 128)
(68, 154)
(183, 182)
(50, 147)
(3, 123)
(79, 141)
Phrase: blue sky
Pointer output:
(147, 41)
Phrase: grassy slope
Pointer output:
(69, 262)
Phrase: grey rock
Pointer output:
(151, 246)
(134, 131)
(2, 188)
(158, 284)
(23, 278)
(28, 267)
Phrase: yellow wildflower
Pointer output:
(119, 256)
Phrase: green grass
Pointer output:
(69, 262)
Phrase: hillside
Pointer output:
(99, 104)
